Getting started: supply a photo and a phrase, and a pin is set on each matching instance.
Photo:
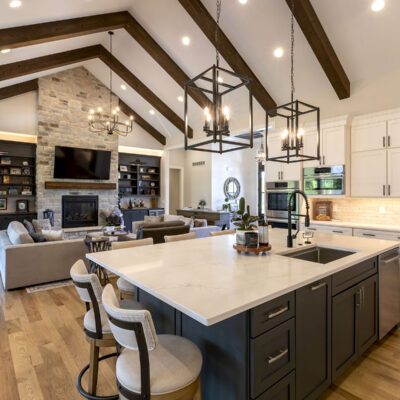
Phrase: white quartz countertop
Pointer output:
(391, 228)
(209, 281)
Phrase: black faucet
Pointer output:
(290, 237)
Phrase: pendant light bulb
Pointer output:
(285, 134)
(226, 112)
(300, 133)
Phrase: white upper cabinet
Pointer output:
(291, 172)
(394, 133)
(393, 175)
(368, 137)
(273, 169)
(368, 174)
(334, 146)
(310, 147)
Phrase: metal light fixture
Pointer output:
(217, 82)
(293, 131)
(261, 156)
(99, 122)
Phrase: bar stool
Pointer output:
(96, 327)
(94, 245)
(151, 366)
(177, 238)
(125, 289)
(221, 233)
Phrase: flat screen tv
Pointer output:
(75, 163)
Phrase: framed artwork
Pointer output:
(5, 160)
(3, 204)
(6, 179)
(22, 206)
(123, 168)
(15, 171)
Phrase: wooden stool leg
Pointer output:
(197, 395)
(94, 367)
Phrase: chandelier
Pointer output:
(110, 124)
(292, 136)
(261, 156)
(216, 83)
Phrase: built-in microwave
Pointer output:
(324, 180)
(278, 194)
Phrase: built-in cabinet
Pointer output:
(375, 158)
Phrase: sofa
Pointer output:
(158, 230)
(198, 226)
(24, 262)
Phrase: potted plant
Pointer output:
(246, 227)
(226, 205)
(202, 204)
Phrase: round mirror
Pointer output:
(232, 188)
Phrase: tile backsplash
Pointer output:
(369, 211)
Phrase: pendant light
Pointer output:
(216, 83)
(293, 131)
(261, 156)
(99, 122)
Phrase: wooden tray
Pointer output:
(256, 250)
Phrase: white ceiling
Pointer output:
(365, 42)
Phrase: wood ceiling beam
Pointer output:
(33, 85)
(142, 122)
(28, 35)
(34, 65)
(207, 24)
(19, 88)
(314, 32)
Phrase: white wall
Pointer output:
(19, 114)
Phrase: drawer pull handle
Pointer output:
(319, 286)
(369, 234)
(390, 260)
(337, 231)
(282, 353)
(280, 311)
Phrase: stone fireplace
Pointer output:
(80, 211)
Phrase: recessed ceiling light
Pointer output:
(4, 51)
(152, 112)
(123, 87)
(278, 52)
(15, 3)
(186, 40)
(180, 99)
(377, 5)
(242, 1)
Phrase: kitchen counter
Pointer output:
(391, 228)
(207, 280)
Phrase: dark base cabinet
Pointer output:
(5, 219)
(283, 390)
(313, 339)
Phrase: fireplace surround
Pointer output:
(80, 211)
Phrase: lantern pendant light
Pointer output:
(216, 83)
(293, 131)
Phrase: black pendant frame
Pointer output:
(218, 136)
(292, 112)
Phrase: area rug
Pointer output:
(49, 286)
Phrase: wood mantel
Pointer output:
(80, 185)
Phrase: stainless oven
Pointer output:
(324, 180)
(277, 202)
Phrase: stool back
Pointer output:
(90, 291)
(177, 238)
(225, 232)
(132, 243)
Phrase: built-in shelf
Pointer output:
(80, 185)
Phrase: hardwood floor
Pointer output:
(42, 350)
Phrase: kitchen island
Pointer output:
(264, 324)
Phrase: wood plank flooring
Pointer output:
(42, 350)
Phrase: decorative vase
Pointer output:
(263, 234)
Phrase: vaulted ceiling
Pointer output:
(363, 41)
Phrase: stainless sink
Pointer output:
(321, 255)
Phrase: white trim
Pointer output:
(140, 150)
(380, 116)
(18, 137)
(181, 183)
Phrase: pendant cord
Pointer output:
(111, 49)
(292, 88)
(217, 33)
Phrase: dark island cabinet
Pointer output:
(137, 214)
(313, 339)
(354, 323)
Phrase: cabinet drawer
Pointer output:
(272, 356)
(283, 390)
(353, 275)
(268, 315)
(377, 234)
(340, 230)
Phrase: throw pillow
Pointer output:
(153, 219)
(198, 223)
(18, 234)
(41, 224)
(28, 225)
(52, 235)
(37, 238)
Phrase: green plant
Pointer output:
(226, 205)
(242, 218)
(202, 203)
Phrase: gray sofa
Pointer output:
(35, 263)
